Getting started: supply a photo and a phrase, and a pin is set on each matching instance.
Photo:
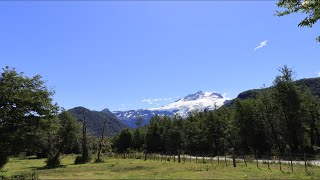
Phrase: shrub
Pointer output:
(81, 160)
(53, 161)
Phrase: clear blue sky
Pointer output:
(115, 54)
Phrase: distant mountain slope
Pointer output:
(95, 119)
(311, 83)
(193, 102)
(129, 117)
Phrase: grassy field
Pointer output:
(114, 168)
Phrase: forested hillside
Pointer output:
(95, 120)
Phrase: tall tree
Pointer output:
(24, 104)
(288, 100)
(123, 141)
(66, 135)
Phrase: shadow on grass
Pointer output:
(48, 167)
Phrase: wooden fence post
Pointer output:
(268, 161)
(280, 162)
(202, 157)
(234, 159)
(291, 161)
(196, 158)
(245, 161)
(225, 158)
(257, 159)
(305, 162)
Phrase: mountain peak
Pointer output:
(201, 94)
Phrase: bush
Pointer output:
(81, 160)
(3, 159)
(53, 161)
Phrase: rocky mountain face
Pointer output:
(194, 102)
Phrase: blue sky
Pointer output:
(117, 55)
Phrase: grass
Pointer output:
(116, 168)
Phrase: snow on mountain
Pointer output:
(193, 102)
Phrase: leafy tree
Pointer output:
(309, 7)
(153, 140)
(289, 103)
(66, 135)
(138, 139)
(123, 141)
(252, 129)
(25, 103)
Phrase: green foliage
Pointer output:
(123, 141)
(284, 118)
(309, 7)
(66, 136)
(53, 161)
(138, 139)
(82, 159)
(25, 107)
(153, 140)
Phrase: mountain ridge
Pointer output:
(198, 101)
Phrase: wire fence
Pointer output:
(287, 162)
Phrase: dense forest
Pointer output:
(281, 119)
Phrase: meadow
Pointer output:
(118, 168)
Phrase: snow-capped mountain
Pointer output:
(193, 102)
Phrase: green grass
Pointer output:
(114, 168)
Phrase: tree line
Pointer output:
(281, 119)
(284, 118)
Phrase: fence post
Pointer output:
(280, 162)
(145, 155)
(234, 159)
(305, 162)
(257, 159)
(190, 157)
(291, 161)
(211, 157)
(225, 158)
(268, 161)
(196, 158)
(202, 157)
(179, 158)
(244, 159)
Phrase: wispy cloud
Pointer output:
(318, 73)
(157, 100)
(262, 44)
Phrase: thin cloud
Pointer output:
(318, 73)
(262, 44)
(152, 101)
